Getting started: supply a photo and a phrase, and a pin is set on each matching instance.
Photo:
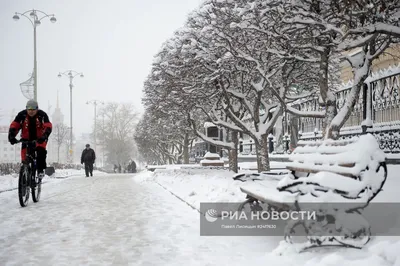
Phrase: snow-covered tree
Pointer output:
(325, 31)
(243, 64)
(118, 130)
(60, 133)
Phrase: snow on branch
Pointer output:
(258, 86)
(300, 96)
(313, 22)
(241, 97)
(296, 112)
(243, 127)
(290, 56)
(267, 107)
(267, 127)
(343, 46)
(220, 122)
(317, 48)
(378, 28)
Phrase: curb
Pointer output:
(190, 205)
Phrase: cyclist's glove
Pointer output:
(42, 139)
(11, 138)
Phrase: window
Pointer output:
(212, 132)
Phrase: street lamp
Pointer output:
(35, 21)
(71, 74)
(95, 103)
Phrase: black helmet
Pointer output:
(87, 145)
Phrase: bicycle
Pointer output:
(28, 179)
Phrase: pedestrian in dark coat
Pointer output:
(133, 166)
(88, 157)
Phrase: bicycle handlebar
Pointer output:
(26, 141)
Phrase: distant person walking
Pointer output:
(88, 157)
(132, 167)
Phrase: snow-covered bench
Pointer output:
(342, 171)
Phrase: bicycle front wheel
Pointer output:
(23, 186)
(36, 188)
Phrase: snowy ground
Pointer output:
(196, 186)
(125, 219)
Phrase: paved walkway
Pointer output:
(113, 220)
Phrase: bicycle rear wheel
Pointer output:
(36, 188)
(23, 186)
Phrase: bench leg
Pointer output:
(332, 230)
(298, 175)
(250, 204)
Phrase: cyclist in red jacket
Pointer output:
(34, 125)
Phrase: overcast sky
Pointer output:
(111, 42)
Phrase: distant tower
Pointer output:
(49, 107)
(57, 117)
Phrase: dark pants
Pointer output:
(89, 169)
(41, 159)
(41, 154)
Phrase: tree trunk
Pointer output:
(233, 153)
(170, 161)
(328, 97)
(294, 132)
(186, 149)
(338, 120)
(262, 154)
(331, 112)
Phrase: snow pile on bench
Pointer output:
(329, 156)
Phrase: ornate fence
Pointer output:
(384, 91)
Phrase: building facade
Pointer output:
(8, 153)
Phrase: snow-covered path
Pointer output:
(118, 220)
(111, 220)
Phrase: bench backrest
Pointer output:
(337, 155)
(324, 147)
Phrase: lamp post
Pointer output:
(35, 20)
(104, 139)
(95, 103)
(71, 74)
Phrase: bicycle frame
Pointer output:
(30, 158)
(27, 182)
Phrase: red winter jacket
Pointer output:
(21, 122)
